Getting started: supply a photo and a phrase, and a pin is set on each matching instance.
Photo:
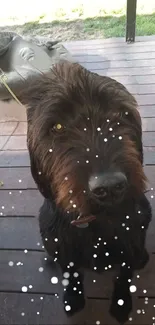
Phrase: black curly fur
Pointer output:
(69, 95)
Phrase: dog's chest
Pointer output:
(94, 246)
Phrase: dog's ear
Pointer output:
(40, 180)
(33, 97)
(136, 123)
(34, 89)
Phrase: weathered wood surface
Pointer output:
(46, 309)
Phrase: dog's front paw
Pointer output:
(73, 303)
(73, 298)
(121, 313)
(121, 304)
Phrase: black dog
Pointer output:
(85, 145)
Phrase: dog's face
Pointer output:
(84, 139)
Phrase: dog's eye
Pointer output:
(58, 127)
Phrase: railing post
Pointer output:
(131, 20)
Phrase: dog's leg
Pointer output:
(121, 304)
(73, 297)
(135, 257)
(51, 228)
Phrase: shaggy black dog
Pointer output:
(84, 140)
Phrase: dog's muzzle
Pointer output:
(108, 188)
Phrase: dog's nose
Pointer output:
(108, 185)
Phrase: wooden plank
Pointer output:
(126, 80)
(27, 272)
(108, 49)
(145, 99)
(103, 285)
(148, 124)
(12, 112)
(147, 110)
(150, 172)
(137, 72)
(14, 158)
(103, 62)
(13, 278)
(145, 281)
(7, 128)
(115, 56)
(3, 141)
(11, 176)
(142, 312)
(48, 310)
(149, 139)
(21, 129)
(20, 233)
(112, 40)
(26, 203)
(145, 79)
(149, 156)
(137, 63)
(102, 44)
(16, 142)
(129, 80)
(141, 89)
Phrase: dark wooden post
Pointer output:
(131, 20)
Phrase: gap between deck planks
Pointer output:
(118, 41)
(112, 49)
(47, 309)
(51, 311)
(26, 271)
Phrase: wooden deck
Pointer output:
(22, 256)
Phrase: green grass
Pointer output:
(95, 27)
(112, 26)
(106, 26)
(78, 19)
(146, 25)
